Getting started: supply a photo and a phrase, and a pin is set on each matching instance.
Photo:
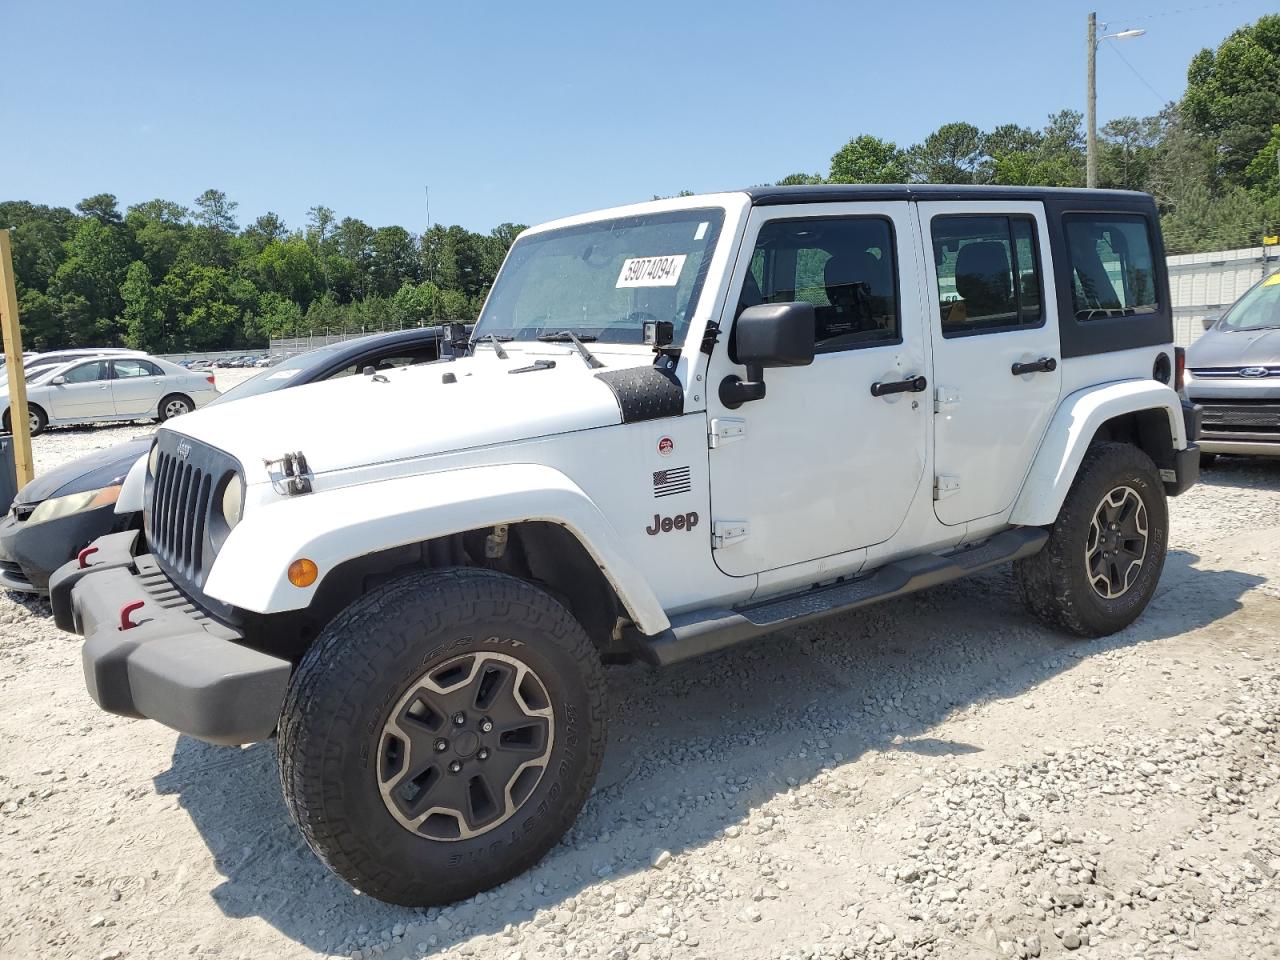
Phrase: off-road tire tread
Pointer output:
(459, 595)
(1052, 582)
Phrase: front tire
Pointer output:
(1102, 562)
(441, 735)
(37, 418)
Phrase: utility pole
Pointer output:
(1091, 109)
(19, 425)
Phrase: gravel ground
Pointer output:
(935, 777)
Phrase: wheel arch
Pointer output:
(361, 536)
(1144, 413)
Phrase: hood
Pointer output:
(1238, 348)
(413, 412)
(99, 469)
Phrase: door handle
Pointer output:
(1043, 365)
(910, 385)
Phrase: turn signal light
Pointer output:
(1179, 368)
(303, 573)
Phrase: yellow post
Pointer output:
(12, 330)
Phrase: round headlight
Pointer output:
(233, 500)
(153, 459)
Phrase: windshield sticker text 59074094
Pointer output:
(651, 271)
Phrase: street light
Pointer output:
(1091, 158)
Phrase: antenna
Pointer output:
(427, 194)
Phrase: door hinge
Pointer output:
(944, 486)
(945, 397)
(725, 430)
(727, 532)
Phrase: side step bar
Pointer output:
(703, 631)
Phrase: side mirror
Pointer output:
(1211, 319)
(59, 380)
(768, 335)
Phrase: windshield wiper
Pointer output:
(497, 342)
(568, 336)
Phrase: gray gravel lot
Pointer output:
(933, 777)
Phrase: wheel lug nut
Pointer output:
(442, 745)
(482, 754)
(459, 719)
(486, 725)
(455, 767)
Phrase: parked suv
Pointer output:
(1233, 374)
(682, 425)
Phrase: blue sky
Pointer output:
(524, 111)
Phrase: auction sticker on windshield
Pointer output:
(651, 271)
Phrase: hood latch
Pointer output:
(290, 476)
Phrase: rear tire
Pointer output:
(1102, 562)
(174, 405)
(385, 758)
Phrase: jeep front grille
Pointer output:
(182, 519)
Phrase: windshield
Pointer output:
(605, 279)
(1259, 309)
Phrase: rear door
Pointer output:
(996, 359)
(137, 387)
(84, 394)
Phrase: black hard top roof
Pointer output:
(766, 196)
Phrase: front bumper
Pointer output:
(30, 553)
(176, 666)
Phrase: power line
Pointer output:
(1125, 61)
(1173, 13)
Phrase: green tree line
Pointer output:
(166, 277)
(1209, 159)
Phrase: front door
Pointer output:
(995, 351)
(85, 393)
(820, 465)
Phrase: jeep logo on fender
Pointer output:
(681, 521)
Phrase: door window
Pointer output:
(126, 369)
(404, 358)
(1112, 270)
(88, 372)
(844, 266)
(988, 274)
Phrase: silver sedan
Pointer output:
(104, 388)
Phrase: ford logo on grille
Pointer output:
(184, 449)
(1254, 372)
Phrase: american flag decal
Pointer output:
(667, 483)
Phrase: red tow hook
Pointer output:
(127, 610)
(83, 556)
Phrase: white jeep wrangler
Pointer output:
(679, 425)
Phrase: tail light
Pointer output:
(1179, 367)
(212, 382)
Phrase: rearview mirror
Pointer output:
(767, 335)
(59, 380)
(1211, 319)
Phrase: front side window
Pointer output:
(988, 273)
(393, 361)
(844, 266)
(1112, 269)
(604, 280)
(136, 368)
(88, 372)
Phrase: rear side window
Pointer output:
(136, 368)
(988, 273)
(1112, 269)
